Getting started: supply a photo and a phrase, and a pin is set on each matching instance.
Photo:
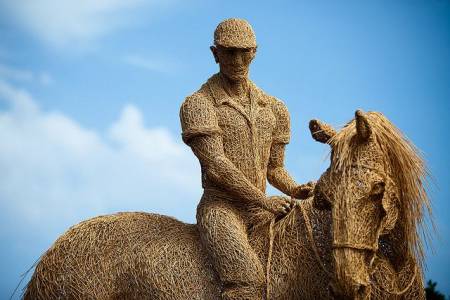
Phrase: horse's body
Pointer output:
(362, 243)
(149, 256)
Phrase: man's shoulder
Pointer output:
(267, 99)
(197, 103)
(200, 98)
(198, 115)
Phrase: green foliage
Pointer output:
(432, 293)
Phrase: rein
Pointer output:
(354, 246)
(269, 255)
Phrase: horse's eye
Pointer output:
(360, 184)
(377, 191)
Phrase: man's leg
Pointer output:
(224, 234)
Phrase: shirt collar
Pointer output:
(220, 96)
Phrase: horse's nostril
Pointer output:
(342, 294)
(362, 292)
(334, 291)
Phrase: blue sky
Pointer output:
(90, 92)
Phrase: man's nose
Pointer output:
(237, 58)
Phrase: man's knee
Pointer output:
(220, 215)
(220, 225)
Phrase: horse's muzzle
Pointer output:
(351, 274)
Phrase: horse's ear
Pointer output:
(321, 132)
(363, 129)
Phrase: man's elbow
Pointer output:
(216, 168)
(272, 174)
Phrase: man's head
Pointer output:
(235, 48)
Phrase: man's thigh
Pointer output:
(223, 232)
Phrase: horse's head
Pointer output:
(367, 195)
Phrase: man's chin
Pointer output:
(237, 76)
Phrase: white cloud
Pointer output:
(45, 78)
(19, 100)
(16, 74)
(55, 172)
(74, 22)
(156, 65)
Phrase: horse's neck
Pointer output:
(270, 234)
(299, 240)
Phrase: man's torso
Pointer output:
(247, 132)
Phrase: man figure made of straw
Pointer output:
(239, 134)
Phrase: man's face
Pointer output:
(234, 62)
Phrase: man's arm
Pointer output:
(277, 174)
(220, 170)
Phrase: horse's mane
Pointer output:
(406, 167)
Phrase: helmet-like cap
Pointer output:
(237, 33)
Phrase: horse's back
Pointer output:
(125, 256)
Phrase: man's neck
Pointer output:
(235, 88)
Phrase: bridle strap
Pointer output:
(364, 166)
(357, 246)
(354, 246)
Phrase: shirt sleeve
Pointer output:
(198, 118)
(282, 132)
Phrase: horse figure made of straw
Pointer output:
(356, 238)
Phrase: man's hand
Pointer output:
(278, 205)
(303, 191)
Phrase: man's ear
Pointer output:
(254, 53)
(214, 52)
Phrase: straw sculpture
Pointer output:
(356, 238)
